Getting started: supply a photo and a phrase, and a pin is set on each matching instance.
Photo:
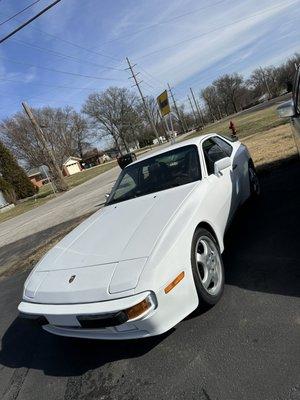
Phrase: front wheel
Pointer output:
(207, 266)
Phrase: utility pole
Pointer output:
(265, 82)
(192, 107)
(176, 109)
(137, 84)
(164, 124)
(57, 175)
(197, 108)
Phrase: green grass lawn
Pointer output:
(246, 124)
(45, 193)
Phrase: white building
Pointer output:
(72, 166)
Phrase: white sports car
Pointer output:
(147, 259)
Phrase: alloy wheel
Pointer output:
(209, 265)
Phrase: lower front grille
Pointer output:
(102, 320)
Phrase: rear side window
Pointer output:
(212, 153)
(226, 147)
(297, 91)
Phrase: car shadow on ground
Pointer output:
(262, 254)
(27, 345)
(262, 245)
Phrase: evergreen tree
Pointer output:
(14, 174)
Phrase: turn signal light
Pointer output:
(174, 282)
(138, 309)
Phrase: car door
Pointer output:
(296, 100)
(237, 161)
(219, 195)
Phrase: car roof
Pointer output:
(194, 141)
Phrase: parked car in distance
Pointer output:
(126, 159)
(292, 108)
(146, 260)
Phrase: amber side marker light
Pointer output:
(174, 282)
(138, 309)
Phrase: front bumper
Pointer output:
(64, 319)
(167, 311)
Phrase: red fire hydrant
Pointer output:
(232, 128)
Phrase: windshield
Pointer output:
(173, 168)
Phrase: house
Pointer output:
(94, 157)
(71, 166)
(112, 153)
(36, 177)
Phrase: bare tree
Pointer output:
(113, 113)
(229, 89)
(210, 97)
(81, 133)
(65, 132)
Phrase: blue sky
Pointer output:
(183, 42)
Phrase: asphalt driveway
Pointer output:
(246, 347)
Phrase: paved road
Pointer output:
(22, 234)
(247, 347)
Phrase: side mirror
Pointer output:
(286, 109)
(220, 165)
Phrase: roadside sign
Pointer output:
(163, 103)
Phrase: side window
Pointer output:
(226, 147)
(212, 153)
(296, 91)
(127, 185)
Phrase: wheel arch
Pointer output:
(211, 230)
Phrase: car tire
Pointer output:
(253, 181)
(207, 267)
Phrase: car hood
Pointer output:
(107, 252)
(122, 231)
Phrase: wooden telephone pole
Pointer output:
(137, 84)
(197, 108)
(184, 128)
(54, 168)
(192, 107)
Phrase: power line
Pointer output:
(162, 84)
(29, 21)
(74, 44)
(60, 54)
(58, 71)
(148, 84)
(208, 32)
(19, 12)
